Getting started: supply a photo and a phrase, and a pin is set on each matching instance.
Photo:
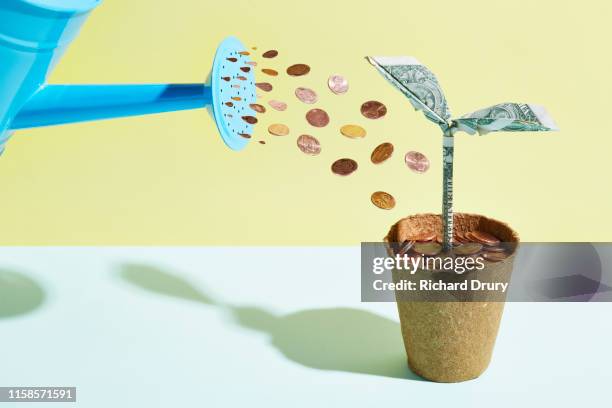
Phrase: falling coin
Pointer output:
(232, 59)
(467, 249)
(250, 119)
(277, 105)
(264, 86)
(270, 54)
(485, 238)
(298, 70)
(269, 71)
(317, 117)
(338, 84)
(245, 135)
(309, 145)
(417, 162)
(278, 129)
(353, 131)
(244, 53)
(252, 63)
(381, 153)
(383, 200)
(344, 167)
(306, 95)
(427, 248)
(262, 142)
(230, 104)
(258, 108)
(373, 109)
(245, 69)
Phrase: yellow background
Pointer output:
(169, 180)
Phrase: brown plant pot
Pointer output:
(452, 341)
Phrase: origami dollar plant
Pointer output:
(421, 87)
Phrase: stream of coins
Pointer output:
(465, 244)
(317, 118)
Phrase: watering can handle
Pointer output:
(62, 104)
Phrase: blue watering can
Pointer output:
(35, 33)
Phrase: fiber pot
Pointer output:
(452, 341)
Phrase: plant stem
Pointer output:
(448, 151)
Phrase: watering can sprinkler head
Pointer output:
(35, 33)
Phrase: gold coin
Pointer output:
(383, 200)
(381, 153)
(269, 71)
(278, 129)
(353, 131)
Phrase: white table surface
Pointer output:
(226, 327)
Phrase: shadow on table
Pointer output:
(19, 294)
(337, 339)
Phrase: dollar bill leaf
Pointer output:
(507, 117)
(416, 82)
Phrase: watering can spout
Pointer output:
(63, 104)
(34, 35)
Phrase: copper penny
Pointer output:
(373, 109)
(269, 71)
(278, 129)
(245, 69)
(417, 162)
(270, 54)
(309, 145)
(262, 142)
(425, 236)
(277, 105)
(245, 135)
(495, 256)
(494, 248)
(338, 84)
(264, 86)
(258, 108)
(344, 167)
(250, 119)
(467, 249)
(317, 117)
(306, 95)
(298, 70)
(383, 200)
(485, 238)
(381, 153)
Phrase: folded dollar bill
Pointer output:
(424, 92)
(507, 117)
(418, 83)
